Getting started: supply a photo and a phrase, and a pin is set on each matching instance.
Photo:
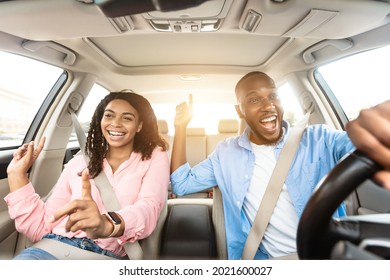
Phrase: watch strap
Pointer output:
(116, 225)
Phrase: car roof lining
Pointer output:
(89, 33)
(141, 46)
(89, 21)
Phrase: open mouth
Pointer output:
(115, 133)
(269, 123)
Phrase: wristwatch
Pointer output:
(116, 222)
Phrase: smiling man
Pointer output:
(241, 167)
(259, 104)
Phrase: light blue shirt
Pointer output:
(230, 167)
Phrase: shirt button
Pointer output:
(238, 203)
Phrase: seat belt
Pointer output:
(133, 249)
(273, 190)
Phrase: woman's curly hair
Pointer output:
(145, 141)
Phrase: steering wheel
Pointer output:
(319, 236)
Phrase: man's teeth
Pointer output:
(270, 119)
(115, 133)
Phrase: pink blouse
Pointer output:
(141, 188)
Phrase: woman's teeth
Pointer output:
(115, 133)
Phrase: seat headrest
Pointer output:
(228, 126)
(195, 131)
(162, 126)
(243, 125)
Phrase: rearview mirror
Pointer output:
(118, 8)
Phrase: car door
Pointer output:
(27, 90)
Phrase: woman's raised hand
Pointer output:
(23, 159)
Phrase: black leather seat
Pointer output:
(188, 233)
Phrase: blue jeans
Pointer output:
(83, 243)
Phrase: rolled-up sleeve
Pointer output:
(186, 180)
(31, 214)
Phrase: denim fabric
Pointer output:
(34, 254)
(83, 243)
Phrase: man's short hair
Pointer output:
(250, 74)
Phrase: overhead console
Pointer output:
(207, 17)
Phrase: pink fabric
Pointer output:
(141, 188)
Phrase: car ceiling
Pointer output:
(127, 52)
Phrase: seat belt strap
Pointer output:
(273, 190)
(133, 249)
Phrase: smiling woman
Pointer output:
(119, 125)
(123, 143)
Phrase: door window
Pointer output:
(357, 82)
(24, 85)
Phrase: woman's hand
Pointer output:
(23, 159)
(370, 133)
(84, 214)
